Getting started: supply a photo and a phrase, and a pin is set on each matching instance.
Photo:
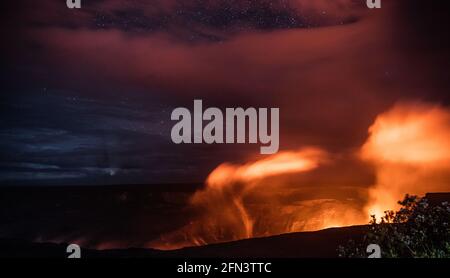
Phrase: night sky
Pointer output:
(87, 94)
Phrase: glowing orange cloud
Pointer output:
(281, 163)
(243, 201)
(410, 148)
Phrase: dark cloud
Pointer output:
(168, 15)
(331, 66)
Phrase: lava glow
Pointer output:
(410, 148)
(243, 201)
(282, 163)
(231, 183)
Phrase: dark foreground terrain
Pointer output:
(106, 221)
(320, 244)
(120, 216)
(40, 221)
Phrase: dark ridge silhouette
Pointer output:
(320, 244)
(134, 215)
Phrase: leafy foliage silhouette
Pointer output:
(417, 230)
